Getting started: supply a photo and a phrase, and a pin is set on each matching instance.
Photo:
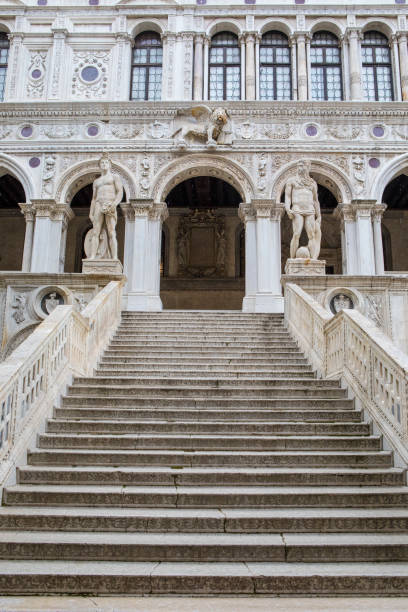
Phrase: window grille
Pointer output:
(225, 67)
(275, 80)
(147, 67)
(325, 63)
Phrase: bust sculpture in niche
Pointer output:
(303, 209)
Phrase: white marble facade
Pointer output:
(54, 125)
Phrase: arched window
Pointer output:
(275, 69)
(4, 51)
(377, 75)
(147, 67)
(225, 67)
(325, 60)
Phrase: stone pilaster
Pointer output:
(248, 217)
(198, 92)
(302, 72)
(250, 80)
(29, 215)
(346, 214)
(377, 214)
(49, 235)
(353, 36)
(403, 56)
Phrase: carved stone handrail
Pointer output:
(350, 347)
(66, 343)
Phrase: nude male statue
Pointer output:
(106, 195)
(303, 208)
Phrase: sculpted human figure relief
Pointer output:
(107, 194)
(303, 208)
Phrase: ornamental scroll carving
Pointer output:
(201, 244)
(36, 74)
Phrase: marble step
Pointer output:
(176, 458)
(211, 373)
(31, 475)
(215, 343)
(238, 578)
(281, 358)
(205, 403)
(199, 547)
(217, 360)
(204, 336)
(193, 415)
(184, 385)
(229, 520)
(209, 427)
(206, 496)
(208, 442)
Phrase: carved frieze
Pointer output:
(90, 76)
(126, 131)
(36, 74)
(279, 131)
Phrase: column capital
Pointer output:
(137, 208)
(124, 37)
(159, 212)
(353, 33)
(27, 210)
(378, 211)
(345, 212)
(364, 208)
(301, 36)
(167, 35)
(268, 209)
(62, 212)
(249, 36)
(199, 37)
(246, 213)
(402, 36)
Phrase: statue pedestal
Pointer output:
(305, 267)
(101, 266)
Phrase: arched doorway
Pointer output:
(79, 226)
(201, 250)
(395, 224)
(12, 223)
(331, 236)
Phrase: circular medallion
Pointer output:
(50, 301)
(36, 73)
(378, 131)
(374, 162)
(341, 301)
(34, 162)
(89, 74)
(26, 131)
(311, 130)
(92, 130)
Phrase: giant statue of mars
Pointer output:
(303, 208)
(107, 194)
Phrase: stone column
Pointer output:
(48, 235)
(268, 254)
(63, 215)
(258, 39)
(378, 212)
(142, 254)
(169, 61)
(396, 74)
(15, 65)
(345, 60)
(123, 66)
(243, 67)
(353, 36)
(292, 43)
(29, 215)
(250, 65)
(364, 236)
(403, 54)
(206, 95)
(198, 67)
(248, 217)
(346, 214)
(301, 65)
(158, 214)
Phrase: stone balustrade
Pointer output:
(66, 343)
(350, 347)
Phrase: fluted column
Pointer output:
(353, 36)
(29, 215)
(301, 65)
(198, 67)
(250, 65)
(403, 54)
(377, 215)
(248, 217)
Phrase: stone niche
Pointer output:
(201, 245)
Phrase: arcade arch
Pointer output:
(12, 223)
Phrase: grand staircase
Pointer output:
(205, 456)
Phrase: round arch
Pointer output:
(324, 172)
(202, 165)
(85, 172)
(5, 27)
(323, 25)
(222, 25)
(379, 26)
(9, 166)
(276, 26)
(394, 168)
(147, 25)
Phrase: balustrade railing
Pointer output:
(66, 343)
(350, 347)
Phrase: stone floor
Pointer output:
(201, 604)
